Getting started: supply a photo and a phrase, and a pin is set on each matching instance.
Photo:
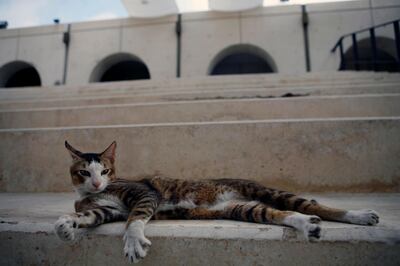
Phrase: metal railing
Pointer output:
(375, 62)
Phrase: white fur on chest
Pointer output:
(220, 203)
(111, 201)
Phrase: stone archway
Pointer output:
(121, 66)
(19, 74)
(242, 59)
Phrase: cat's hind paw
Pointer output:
(65, 228)
(362, 217)
(307, 224)
(136, 244)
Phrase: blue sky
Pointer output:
(22, 13)
(26, 13)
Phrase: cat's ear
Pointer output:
(75, 154)
(109, 153)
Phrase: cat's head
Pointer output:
(91, 172)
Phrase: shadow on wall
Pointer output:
(386, 56)
(19, 74)
(121, 66)
(242, 59)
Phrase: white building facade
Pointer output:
(274, 39)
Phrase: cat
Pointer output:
(105, 198)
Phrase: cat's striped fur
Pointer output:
(105, 198)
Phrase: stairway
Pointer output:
(334, 135)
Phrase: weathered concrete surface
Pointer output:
(128, 90)
(27, 238)
(346, 154)
(214, 83)
(190, 95)
(208, 110)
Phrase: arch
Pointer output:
(386, 53)
(242, 59)
(121, 66)
(19, 74)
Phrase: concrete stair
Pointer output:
(228, 94)
(364, 105)
(327, 154)
(27, 238)
(241, 82)
(318, 132)
(227, 87)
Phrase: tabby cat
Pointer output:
(105, 198)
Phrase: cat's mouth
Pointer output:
(98, 189)
(90, 189)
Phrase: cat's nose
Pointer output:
(96, 184)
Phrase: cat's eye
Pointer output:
(105, 171)
(84, 173)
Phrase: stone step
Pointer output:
(329, 154)
(112, 89)
(198, 84)
(27, 237)
(189, 95)
(205, 110)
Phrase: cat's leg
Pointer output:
(258, 212)
(287, 201)
(251, 211)
(362, 217)
(67, 225)
(136, 244)
(312, 207)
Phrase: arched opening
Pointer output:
(19, 74)
(242, 59)
(119, 67)
(386, 56)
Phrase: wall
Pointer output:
(151, 40)
(272, 29)
(42, 47)
(330, 21)
(277, 30)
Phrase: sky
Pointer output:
(27, 13)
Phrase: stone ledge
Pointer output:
(36, 212)
(221, 229)
(331, 79)
(111, 91)
(190, 95)
(26, 237)
(205, 110)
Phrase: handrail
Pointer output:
(375, 61)
(360, 31)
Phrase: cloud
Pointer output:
(192, 5)
(103, 16)
(22, 13)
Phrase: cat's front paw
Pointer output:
(65, 228)
(136, 244)
(362, 217)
